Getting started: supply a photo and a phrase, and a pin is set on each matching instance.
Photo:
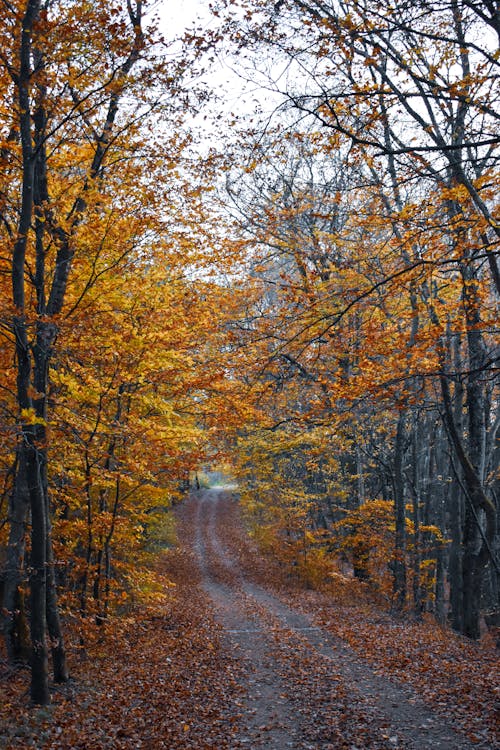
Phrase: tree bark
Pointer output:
(399, 563)
(13, 610)
(59, 666)
(39, 689)
(476, 543)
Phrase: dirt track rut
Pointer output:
(305, 688)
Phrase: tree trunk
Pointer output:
(455, 577)
(476, 542)
(39, 689)
(439, 607)
(456, 505)
(419, 475)
(37, 216)
(59, 666)
(13, 610)
(46, 332)
(399, 563)
(33, 458)
(472, 569)
(475, 545)
(440, 505)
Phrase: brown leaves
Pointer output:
(166, 677)
(160, 681)
(456, 678)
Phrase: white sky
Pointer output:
(234, 95)
(178, 15)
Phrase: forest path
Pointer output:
(234, 654)
(304, 688)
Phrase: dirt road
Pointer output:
(303, 687)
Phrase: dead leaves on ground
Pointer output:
(163, 679)
(457, 678)
(160, 682)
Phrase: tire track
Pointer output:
(275, 642)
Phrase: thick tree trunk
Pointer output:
(13, 610)
(476, 541)
(46, 333)
(478, 528)
(34, 460)
(472, 569)
(39, 689)
(475, 544)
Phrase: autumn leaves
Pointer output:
(316, 298)
(370, 207)
(105, 328)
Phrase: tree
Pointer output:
(408, 93)
(68, 71)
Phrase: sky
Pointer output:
(234, 95)
(178, 15)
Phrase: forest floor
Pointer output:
(242, 657)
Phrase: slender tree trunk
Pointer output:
(90, 537)
(456, 505)
(455, 577)
(96, 588)
(360, 479)
(440, 506)
(59, 666)
(439, 607)
(419, 476)
(399, 563)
